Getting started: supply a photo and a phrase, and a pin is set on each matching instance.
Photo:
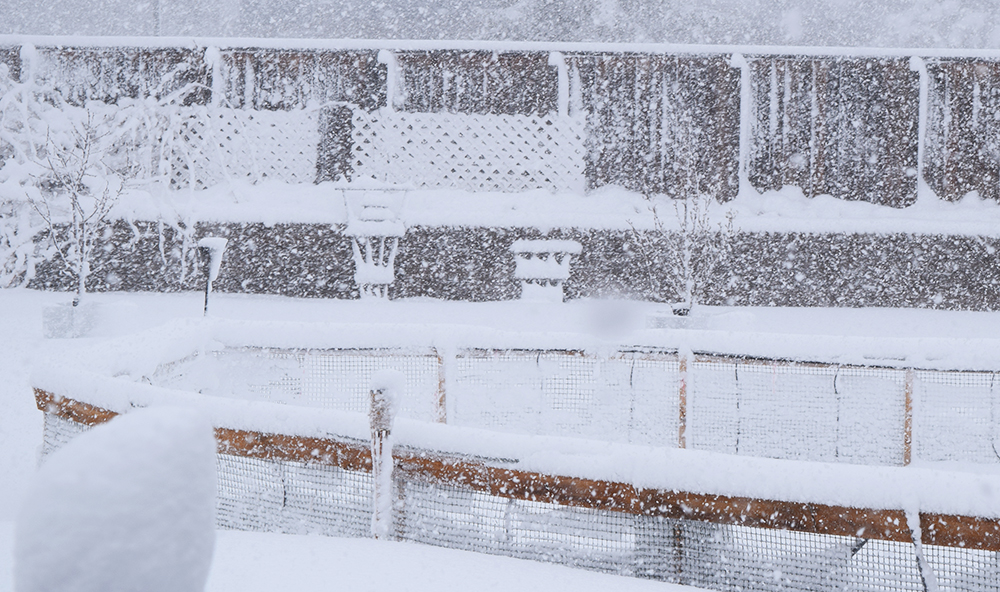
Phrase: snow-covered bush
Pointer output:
(69, 164)
(18, 226)
(127, 506)
(681, 252)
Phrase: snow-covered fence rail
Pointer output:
(717, 533)
(727, 404)
(853, 126)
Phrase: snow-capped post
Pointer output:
(557, 59)
(388, 58)
(918, 65)
(746, 113)
(386, 386)
(374, 228)
(213, 59)
(542, 266)
(927, 577)
(211, 249)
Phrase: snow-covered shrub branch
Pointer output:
(65, 166)
(681, 252)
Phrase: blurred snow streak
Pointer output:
(871, 23)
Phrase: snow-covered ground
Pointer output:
(254, 561)
(251, 562)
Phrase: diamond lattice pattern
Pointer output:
(209, 146)
(472, 152)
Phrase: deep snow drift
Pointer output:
(127, 506)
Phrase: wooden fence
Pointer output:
(657, 123)
(455, 470)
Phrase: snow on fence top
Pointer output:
(930, 490)
(855, 124)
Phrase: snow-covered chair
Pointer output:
(543, 266)
(375, 229)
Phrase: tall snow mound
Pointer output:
(128, 506)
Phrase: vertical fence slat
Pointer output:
(908, 418)
(682, 400)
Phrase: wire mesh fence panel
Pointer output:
(653, 397)
(250, 494)
(713, 405)
(330, 379)
(963, 569)
(292, 497)
(804, 411)
(871, 405)
(349, 374)
(627, 398)
(57, 432)
(797, 411)
(449, 517)
(786, 411)
(463, 519)
(327, 500)
(955, 416)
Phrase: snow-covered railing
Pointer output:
(696, 518)
(830, 412)
(855, 124)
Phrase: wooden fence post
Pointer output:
(682, 400)
(908, 417)
(380, 417)
(441, 415)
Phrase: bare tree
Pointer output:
(680, 253)
(85, 169)
(68, 164)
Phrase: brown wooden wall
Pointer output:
(835, 126)
(283, 80)
(108, 74)
(660, 123)
(485, 82)
(843, 126)
(962, 146)
(10, 57)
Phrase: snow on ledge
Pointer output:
(608, 208)
(471, 45)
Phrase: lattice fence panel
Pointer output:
(209, 146)
(474, 152)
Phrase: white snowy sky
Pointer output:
(872, 23)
